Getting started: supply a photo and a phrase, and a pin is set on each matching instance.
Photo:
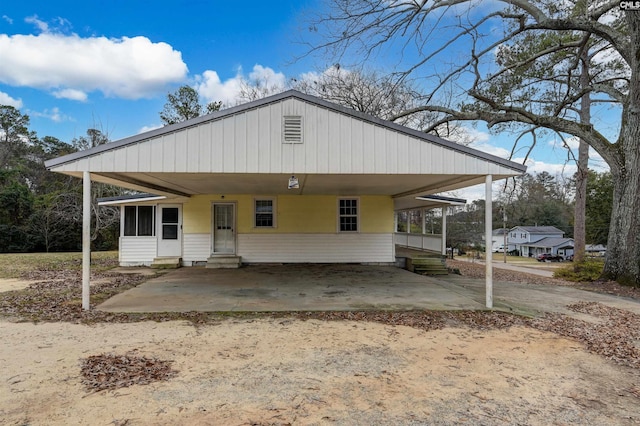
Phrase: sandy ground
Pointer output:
(285, 371)
(10, 284)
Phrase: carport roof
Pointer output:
(243, 150)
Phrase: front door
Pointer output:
(224, 236)
(169, 230)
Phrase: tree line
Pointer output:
(537, 200)
(42, 211)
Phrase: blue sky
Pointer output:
(74, 65)
(156, 46)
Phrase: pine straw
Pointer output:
(110, 371)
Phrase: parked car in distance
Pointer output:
(569, 258)
(549, 257)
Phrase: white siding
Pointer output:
(251, 142)
(418, 241)
(316, 248)
(136, 251)
(196, 247)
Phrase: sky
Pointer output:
(73, 65)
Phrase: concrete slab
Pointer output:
(289, 288)
(266, 288)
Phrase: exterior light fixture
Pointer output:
(293, 183)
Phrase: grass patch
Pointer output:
(20, 265)
(586, 271)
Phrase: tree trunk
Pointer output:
(579, 214)
(623, 247)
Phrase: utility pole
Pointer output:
(504, 232)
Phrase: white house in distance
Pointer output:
(535, 240)
(288, 178)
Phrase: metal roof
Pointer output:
(277, 98)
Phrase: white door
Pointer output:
(169, 230)
(224, 236)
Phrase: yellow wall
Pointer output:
(295, 213)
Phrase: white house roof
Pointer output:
(539, 230)
(244, 150)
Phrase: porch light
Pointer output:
(293, 183)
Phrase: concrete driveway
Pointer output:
(266, 288)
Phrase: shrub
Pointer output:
(588, 270)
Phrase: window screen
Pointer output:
(145, 221)
(130, 221)
(139, 221)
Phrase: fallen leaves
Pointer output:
(477, 270)
(109, 371)
(615, 336)
(58, 297)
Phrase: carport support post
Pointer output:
(86, 238)
(488, 220)
(444, 231)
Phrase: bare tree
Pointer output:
(518, 90)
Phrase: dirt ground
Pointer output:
(288, 371)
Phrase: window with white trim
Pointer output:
(139, 221)
(264, 216)
(348, 214)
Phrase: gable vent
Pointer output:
(292, 129)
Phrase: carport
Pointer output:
(293, 287)
(290, 178)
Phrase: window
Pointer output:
(139, 221)
(170, 223)
(263, 211)
(348, 214)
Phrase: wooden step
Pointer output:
(427, 266)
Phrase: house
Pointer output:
(498, 238)
(531, 241)
(598, 250)
(288, 178)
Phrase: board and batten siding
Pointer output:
(316, 248)
(250, 141)
(137, 251)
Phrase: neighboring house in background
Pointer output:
(595, 250)
(531, 241)
(288, 178)
(498, 240)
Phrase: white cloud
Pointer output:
(145, 129)
(129, 68)
(534, 167)
(211, 88)
(8, 100)
(230, 92)
(7, 19)
(596, 162)
(41, 25)
(484, 146)
(53, 114)
(73, 94)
